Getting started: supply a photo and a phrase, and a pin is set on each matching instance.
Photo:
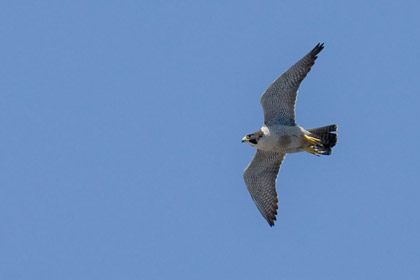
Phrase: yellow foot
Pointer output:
(313, 140)
(313, 150)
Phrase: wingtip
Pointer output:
(318, 48)
(272, 218)
(271, 221)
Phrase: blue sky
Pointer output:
(121, 154)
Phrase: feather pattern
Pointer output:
(279, 99)
(260, 178)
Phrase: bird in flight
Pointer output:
(281, 135)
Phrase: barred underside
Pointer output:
(279, 99)
(260, 178)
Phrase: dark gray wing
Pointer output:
(279, 99)
(260, 178)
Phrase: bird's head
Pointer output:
(253, 138)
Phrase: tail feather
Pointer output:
(323, 129)
(327, 138)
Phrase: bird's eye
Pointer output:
(249, 136)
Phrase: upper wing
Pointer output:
(260, 178)
(279, 99)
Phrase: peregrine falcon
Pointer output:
(281, 135)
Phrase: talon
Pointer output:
(313, 140)
(312, 150)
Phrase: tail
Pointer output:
(322, 139)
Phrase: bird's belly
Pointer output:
(290, 143)
(286, 139)
(281, 143)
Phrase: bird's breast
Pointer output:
(281, 138)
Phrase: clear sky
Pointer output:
(121, 126)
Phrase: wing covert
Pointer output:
(260, 178)
(279, 99)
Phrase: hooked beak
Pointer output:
(244, 139)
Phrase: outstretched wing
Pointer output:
(260, 178)
(279, 99)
